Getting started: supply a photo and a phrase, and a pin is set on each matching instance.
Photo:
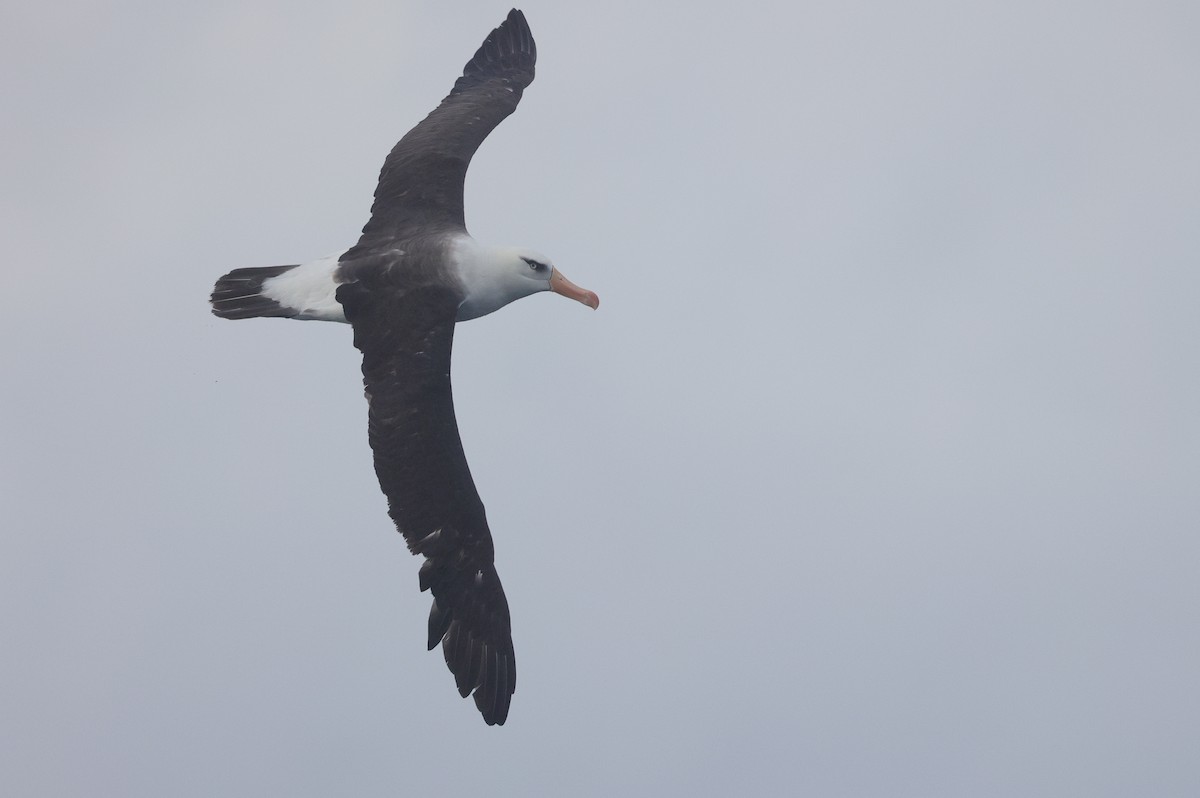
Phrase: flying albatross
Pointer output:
(413, 274)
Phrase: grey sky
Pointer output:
(875, 473)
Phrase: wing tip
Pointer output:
(508, 49)
(498, 682)
(485, 672)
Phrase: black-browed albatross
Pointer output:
(413, 274)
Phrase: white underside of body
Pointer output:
(490, 277)
(309, 289)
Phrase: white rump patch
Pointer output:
(309, 289)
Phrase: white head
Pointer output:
(494, 276)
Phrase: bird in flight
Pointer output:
(414, 273)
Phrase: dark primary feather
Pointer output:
(421, 184)
(405, 330)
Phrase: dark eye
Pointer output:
(533, 264)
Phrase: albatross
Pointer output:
(415, 273)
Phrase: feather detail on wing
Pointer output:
(421, 184)
(406, 335)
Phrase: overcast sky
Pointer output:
(877, 473)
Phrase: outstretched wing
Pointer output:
(406, 335)
(421, 184)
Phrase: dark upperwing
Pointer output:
(406, 333)
(421, 184)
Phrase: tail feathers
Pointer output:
(238, 295)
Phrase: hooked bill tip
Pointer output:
(561, 285)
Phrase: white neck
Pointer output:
(491, 277)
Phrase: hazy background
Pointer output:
(876, 474)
